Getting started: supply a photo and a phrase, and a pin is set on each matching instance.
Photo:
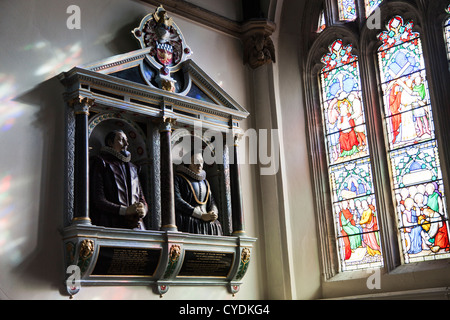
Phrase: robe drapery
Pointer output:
(350, 233)
(441, 238)
(394, 106)
(348, 141)
(369, 224)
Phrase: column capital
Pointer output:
(166, 123)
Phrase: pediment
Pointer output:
(192, 81)
(158, 77)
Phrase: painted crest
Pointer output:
(158, 32)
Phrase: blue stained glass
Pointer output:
(347, 10)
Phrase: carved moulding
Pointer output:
(98, 256)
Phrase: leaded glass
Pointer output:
(358, 233)
(413, 150)
(354, 205)
(423, 222)
(321, 24)
(347, 10)
(371, 5)
(447, 32)
(447, 36)
(351, 180)
(343, 110)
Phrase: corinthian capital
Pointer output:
(81, 105)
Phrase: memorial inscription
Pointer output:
(206, 264)
(120, 261)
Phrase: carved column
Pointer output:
(236, 193)
(168, 222)
(81, 161)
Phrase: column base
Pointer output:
(169, 227)
(81, 221)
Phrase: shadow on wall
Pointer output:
(44, 266)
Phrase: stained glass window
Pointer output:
(347, 10)
(447, 32)
(321, 24)
(413, 150)
(354, 207)
(371, 5)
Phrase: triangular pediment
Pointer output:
(193, 83)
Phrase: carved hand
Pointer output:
(137, 208)
(210, 216)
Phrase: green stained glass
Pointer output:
(413, 150)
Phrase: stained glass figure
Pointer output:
(343, 110)
(371, 5)
(347, 10)
(354, 205)
(447, 32)
(321, 24)
(413, 150)
(358, 234)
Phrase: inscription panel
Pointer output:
(206, 264)
(122, 261)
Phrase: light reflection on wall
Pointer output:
(59, 60)
(8, 244)
(55, 59)
(9, 111)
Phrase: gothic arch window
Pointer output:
(349, 164)
(412, 147)
(385, 157)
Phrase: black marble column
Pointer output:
(81, 162)
(168, 222)
(236, 194)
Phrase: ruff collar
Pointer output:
(196, 176)
(116, 154)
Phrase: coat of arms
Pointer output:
(167, 48)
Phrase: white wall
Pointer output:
(37, 46)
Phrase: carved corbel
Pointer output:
(258, 46)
